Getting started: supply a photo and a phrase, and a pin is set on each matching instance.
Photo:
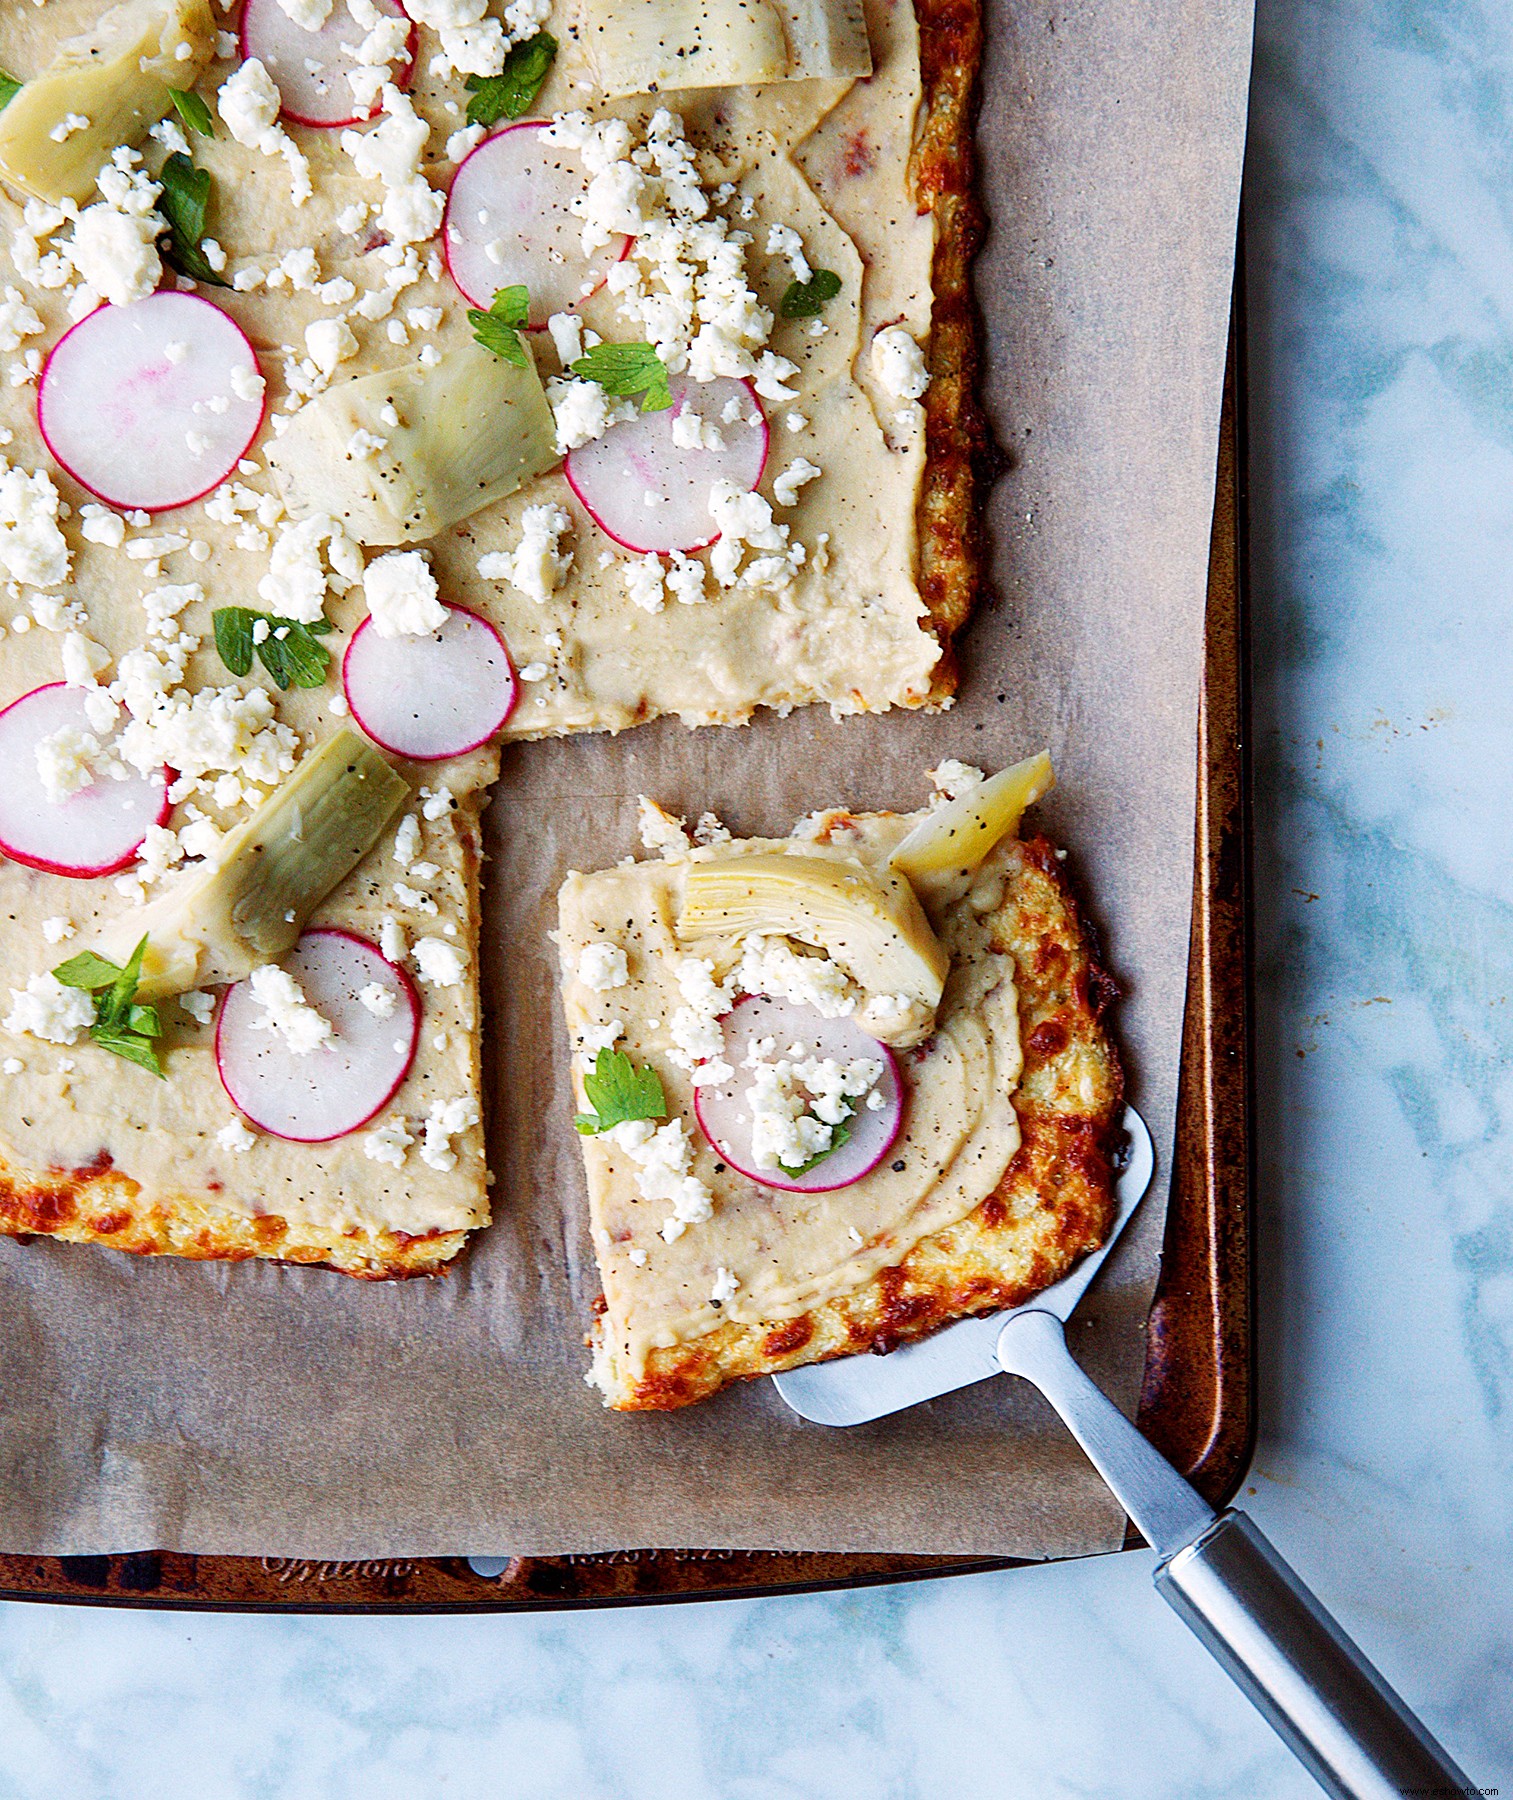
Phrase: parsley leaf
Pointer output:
(121, 1026)
(192, 110)
(808, 299)
(624, 369)
(509, 94)
(840, 1133)
(9, 88)
(294, 659)
(618, 1091)
(499, 328)
(183, 203)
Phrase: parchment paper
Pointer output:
(263, 1410)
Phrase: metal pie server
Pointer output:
(1216, 1571)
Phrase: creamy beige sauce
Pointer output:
(615, 664)
(789, 1251)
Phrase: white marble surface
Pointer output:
(1381, 222)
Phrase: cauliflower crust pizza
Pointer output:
(788, 1162)
(382, 384)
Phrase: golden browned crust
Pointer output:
(960, 457)
(101, 1204)
(1053, 1205)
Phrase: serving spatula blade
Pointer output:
(855, 1389)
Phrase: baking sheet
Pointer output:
(261, 1410)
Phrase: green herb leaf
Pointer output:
(9, 88)
(192, 110)
(121, 1026)
(618, 1091)
(87, 971)
(295, 659)
(840, 1133)
(625, 369)
(808, 299)
(508, 95)
(499, 328)
(135, 1049)
(184, 202)
(233, 637)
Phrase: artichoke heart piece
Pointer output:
(947, 847)
(117, 76)
(645, 46)
(251, 904)
(873, 927)
(470, 429)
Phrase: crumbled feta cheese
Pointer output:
(796, 1105)
(401, 594)
(17, 320)
(33, 550)
(602, 967)
(447, 1119)
(391, 939)
(660, 830)
(309, 15)
(899, 363)
(407, 841)
(785, 490)
(236, 1136)
(581, 410)
(99, 525)
(378, 1000)
(663, 1161)
(83, 659)
(67, 126)
(436, 803)
(46, 1009)
(414, 899)
(566, 331)
(249, 104)
(66, 762)
(439, 963)
(784, 241)
(286, 1010)
(644, 579)
(538, 564)
(56, 930)
(698, 1041)
(724, 1289)
(329, 342)
(199, 1005)
(638, 1257)
(389, 1142)
(770, 965)
(951, 779)
(13, 1065)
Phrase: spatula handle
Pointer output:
(1307, 1679)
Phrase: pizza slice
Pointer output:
(838, 1089)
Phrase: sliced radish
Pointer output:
(336, 1088)
(509, 221)
(309, 68)
(648, 492)
(432, 696)
(724, 1112)
(145, 405)
(95, 831)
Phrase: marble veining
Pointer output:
(1380, 221)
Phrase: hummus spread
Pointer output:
(828, 160)
(787, 1251)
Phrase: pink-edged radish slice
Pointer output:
(95, 831)
(153, 404)
(509, 221)
(340, 1085)
(433, 696)
(649, 492)
(724, 1111)
(309, 68)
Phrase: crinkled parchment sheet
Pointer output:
(263, 1410)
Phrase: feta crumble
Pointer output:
(439, 964)
(602, 967)
(236, 1136)
(48, 1010)
(401, 594)
(286, 1010)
